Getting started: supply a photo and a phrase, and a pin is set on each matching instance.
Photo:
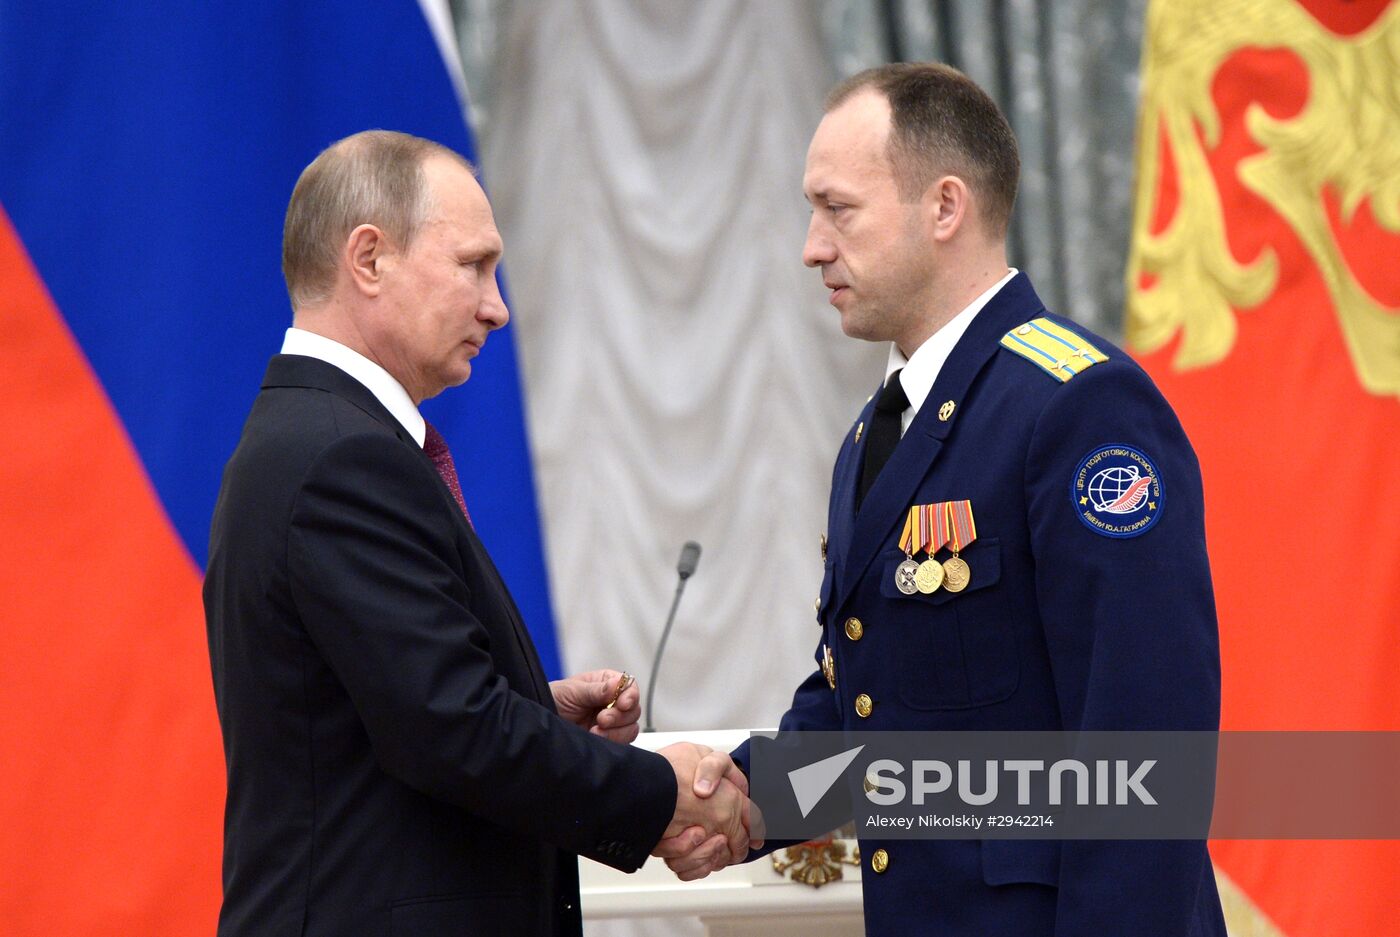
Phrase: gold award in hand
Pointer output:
(626, 681)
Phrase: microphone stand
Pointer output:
(661, 645)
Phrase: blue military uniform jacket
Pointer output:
(1089, 607)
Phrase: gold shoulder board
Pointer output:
(1053, 348)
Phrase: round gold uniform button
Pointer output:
(854, 629)
(864, 705)
(817, 604)
(880, 861)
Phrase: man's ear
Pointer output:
(365, 251)
(946, 207)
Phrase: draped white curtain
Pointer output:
(685, 377)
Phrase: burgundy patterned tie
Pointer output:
(436, 449)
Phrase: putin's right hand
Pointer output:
(723, 812)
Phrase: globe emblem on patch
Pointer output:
(1120, 489)
(1117, 491)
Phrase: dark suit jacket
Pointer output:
(1061, 627)
(395, 762)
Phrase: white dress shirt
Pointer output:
(921, 369)
(377, 381)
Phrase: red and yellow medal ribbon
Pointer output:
(936, 516)
(962, 529)
(906, 539)
(929, 527)
(925, 529)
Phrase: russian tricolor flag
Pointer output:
(147, 151)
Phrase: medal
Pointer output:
(906, 576)
(906, 573)
(962, 531)
(929, 576)
(935, 523)
(956, 574)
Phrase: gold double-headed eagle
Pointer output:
(1345, 140)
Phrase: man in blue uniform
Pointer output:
(1080, 597)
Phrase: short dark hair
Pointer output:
(942, 122)
(372, 177)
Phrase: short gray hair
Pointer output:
(373, 177)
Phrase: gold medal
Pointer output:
(956, 574)
(962, 531)
(929, 577)
(935, 527)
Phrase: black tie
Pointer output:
(884, 433)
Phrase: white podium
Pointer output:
(817, 893)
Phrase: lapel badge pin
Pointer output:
(946, 411)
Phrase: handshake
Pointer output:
(715, 824)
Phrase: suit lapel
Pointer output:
(877, 522)
(303, 371)
(846, 477)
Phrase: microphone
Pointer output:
(685, 568)
(690, 558)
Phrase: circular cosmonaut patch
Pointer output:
(1117, 492)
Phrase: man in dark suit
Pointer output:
(1075, 594)
(397, 762)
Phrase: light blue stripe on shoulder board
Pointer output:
(1053, 348)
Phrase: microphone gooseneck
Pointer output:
(685, 568)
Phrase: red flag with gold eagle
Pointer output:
(1264, 298)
